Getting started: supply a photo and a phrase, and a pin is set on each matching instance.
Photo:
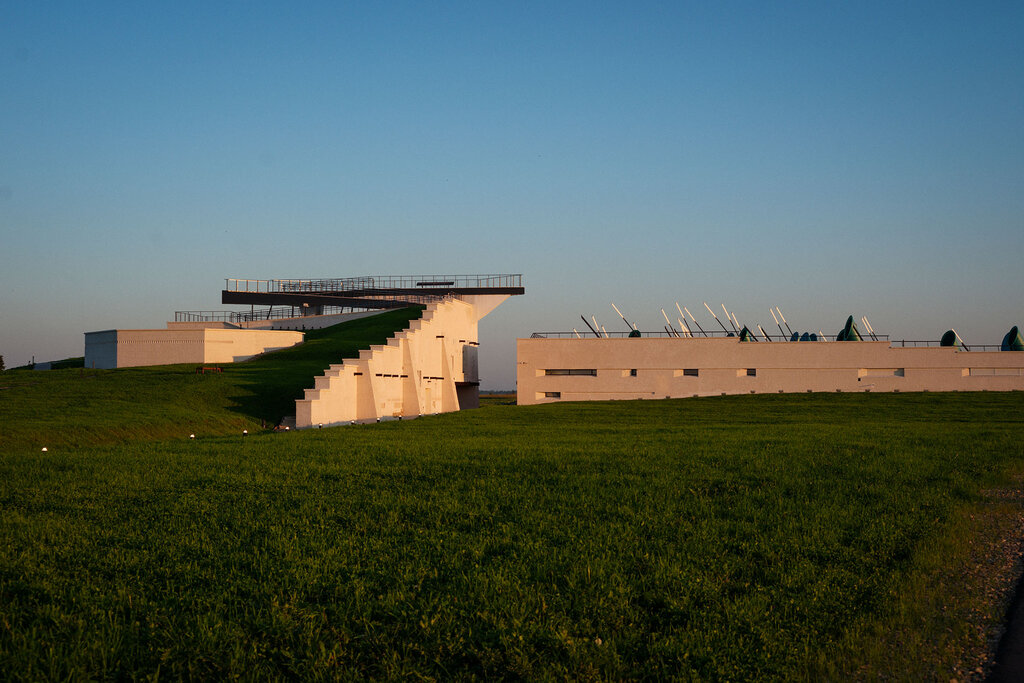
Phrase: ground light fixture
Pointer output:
(192, 436)
(245, 433)
(44, 449)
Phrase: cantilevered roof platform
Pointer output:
(369, 291)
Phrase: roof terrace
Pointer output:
(368, 291)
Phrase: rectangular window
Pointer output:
(992, 372)
(632, 373)
(880, 372)
(691, 372)
(574, 371)
(751, 372)
(552, 394)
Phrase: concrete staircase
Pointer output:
(429, 367)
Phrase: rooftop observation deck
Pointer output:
(368, 291)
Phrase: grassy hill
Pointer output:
(77, 407)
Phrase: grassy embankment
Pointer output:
(748, 537)
(82, 407)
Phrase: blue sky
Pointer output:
(828, 158)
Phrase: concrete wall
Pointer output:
(233, 346)
(429, 367)
(673, 368)
(135, 348)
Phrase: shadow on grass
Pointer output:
(273, 382)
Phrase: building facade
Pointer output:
(590, 369)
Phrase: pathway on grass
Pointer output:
(1008, 663)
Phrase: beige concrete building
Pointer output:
(203, 343)
(589, 369)
(429, 367)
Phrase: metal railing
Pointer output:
(900, 343)
(347, 284)
(587, 334)
(915, 343)
(260, 314)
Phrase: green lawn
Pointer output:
(748, 537)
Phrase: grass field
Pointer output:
(750, 537)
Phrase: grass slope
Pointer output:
(77, 407)
(750, 537)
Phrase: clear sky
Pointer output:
(861, 158)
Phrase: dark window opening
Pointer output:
(574, 371)
(751, 372)
(632, 373)
(552, 394)
(691, 372)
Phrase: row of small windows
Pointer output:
(687, 372)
